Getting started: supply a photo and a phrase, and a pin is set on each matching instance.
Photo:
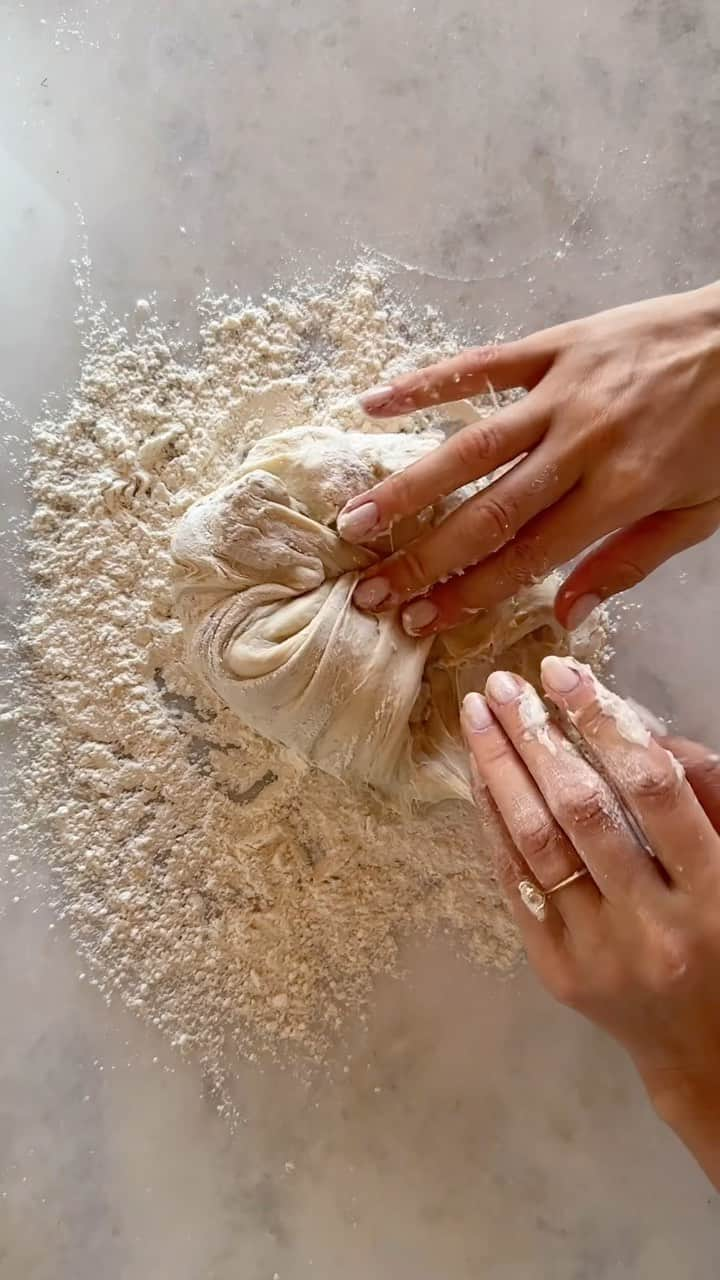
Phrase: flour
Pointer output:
(237, 898)
(628, 720)
(535, 719)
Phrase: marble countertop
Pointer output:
(524, 163)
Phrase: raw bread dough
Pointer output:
(264, 586)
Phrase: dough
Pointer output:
(264, 586)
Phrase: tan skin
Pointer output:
(635, 944)
(618, 439)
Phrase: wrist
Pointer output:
(688, 1103)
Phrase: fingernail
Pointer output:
(353, 525)
(371, 593)
(376, 398)
(417, 616)
(581, 609)
(502, 686)
(476, 713)
(559, 675)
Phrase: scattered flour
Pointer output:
(237, 898)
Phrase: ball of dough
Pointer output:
(264, 586)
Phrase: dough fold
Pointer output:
(263, 589)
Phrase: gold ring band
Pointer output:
(535, 898)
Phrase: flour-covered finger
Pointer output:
(580, 800)
(647, 778)
(542, 843)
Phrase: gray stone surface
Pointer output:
(526, 162)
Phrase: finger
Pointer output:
(625, 558)
(469, 455)
(540, 840)
(701, 763)
(510, 866)
(581, 801)
(470, 534)
(548, 540)
(647, 778)
(544, 940)
(472, 372)
(702, 770)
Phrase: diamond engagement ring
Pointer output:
(535, 898)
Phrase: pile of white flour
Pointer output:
(228, 893)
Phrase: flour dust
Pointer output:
(237, 899)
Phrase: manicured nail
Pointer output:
(581, 609)
(503, 687)
(418, 615)
(376, 398)
(371, 593)
(357, 524)
(476, 713)
(559, 675)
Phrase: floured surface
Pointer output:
(233, 895)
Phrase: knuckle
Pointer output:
(475, 446)
(656, 781)
(582, 806)
(537, 839)
(611, 431)
(668, 963)
(525, 563)
(480, 359)
(490, 522)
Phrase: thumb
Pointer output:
(625, 558)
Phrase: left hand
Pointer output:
(634, 944)
(617, 439)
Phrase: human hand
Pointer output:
(635, 944)
(619, 435)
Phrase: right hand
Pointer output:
(634, 944)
